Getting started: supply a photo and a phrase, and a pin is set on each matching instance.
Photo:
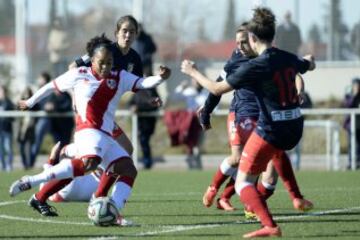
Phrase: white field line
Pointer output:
(180, 228)
(8, 217)
(175, 228)
(308, 190)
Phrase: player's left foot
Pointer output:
(20, 186)
(264, 232)
(224, 204)
(302, 204)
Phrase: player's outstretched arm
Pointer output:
(217, 88)
(154, 81)
(40, 94)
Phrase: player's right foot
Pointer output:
(249, 213)
(224, 204)
(209, 196)
(302, 204)
(43, 208)
(54, 154)
(20, 186)
(264, 232)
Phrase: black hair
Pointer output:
(262, 24)
(126, 18)
(96, 43)
(243, 27)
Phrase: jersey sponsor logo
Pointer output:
(130, 67)
(111, 83)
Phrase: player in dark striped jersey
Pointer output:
(272, 77)
(243, 114)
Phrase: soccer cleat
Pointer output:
(209, 196)
(249, 213)
(224, 204)
(122, 222)
(20, 186)
(302, 204)
(54, 154)
(264, 232)
(43, 208)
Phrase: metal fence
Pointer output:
(332, 129)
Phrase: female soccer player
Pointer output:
(124, 58)
(280, 125)
(97, 91)
(242, 119)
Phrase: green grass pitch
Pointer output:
(167, 205)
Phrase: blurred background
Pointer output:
(202, 30)
(46, 35)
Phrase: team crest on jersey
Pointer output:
(130, 67)
(111, 83)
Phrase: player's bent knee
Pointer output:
(124, 167)
(91, 163)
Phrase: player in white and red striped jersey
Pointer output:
(81, 189)
(97, 91)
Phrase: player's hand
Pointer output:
(204, 119)
(188, 66)
(311, 59)
(165, 72)
(22, 105)
(156, 102)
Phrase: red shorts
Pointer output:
(239, 133)
(256, 155)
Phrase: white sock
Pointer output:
(226, 168)
(120, 194)
(62, 170)
(241, 186)
(268, 186)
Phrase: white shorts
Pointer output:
(80, 189)
(92, 142)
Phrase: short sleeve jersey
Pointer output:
(96, 98)
(244, 101)
(272, 75)
(130, 62)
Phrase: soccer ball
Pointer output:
(102, 211)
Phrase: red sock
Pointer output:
(219, 179)
(264, 192)
(78, 167)
(50, 188)
(229, 189)
(250, 197)
(284, 169)
(126, 179)
(106, 181)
